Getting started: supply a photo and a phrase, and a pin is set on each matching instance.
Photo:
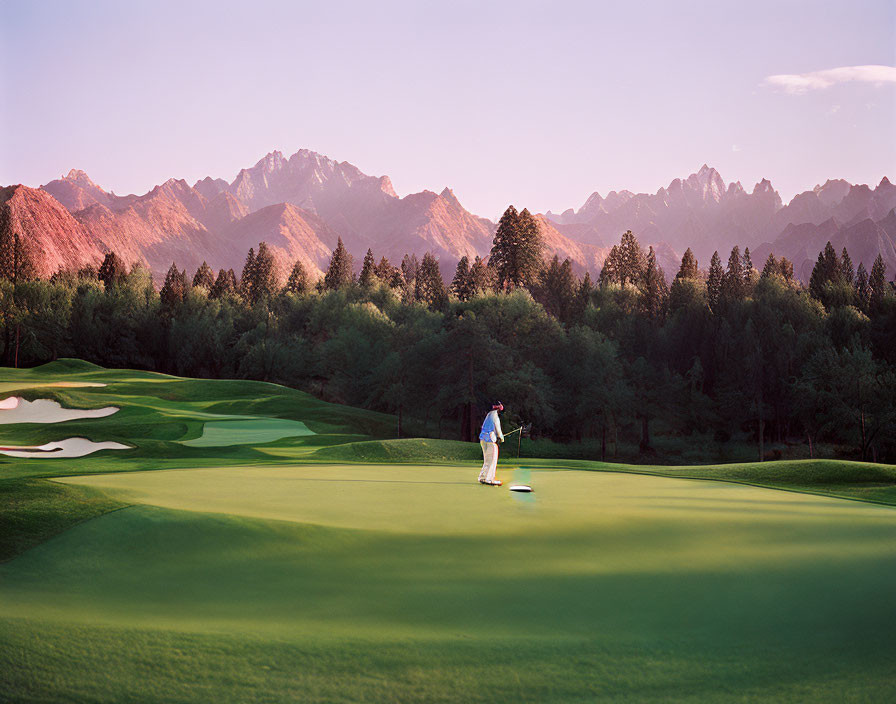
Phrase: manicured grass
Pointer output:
(224, 433)
(416, 584)
(344, 566)
(32, 510)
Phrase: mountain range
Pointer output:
(302, 204)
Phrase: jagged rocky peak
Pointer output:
(271, 162)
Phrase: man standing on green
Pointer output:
(488, 439)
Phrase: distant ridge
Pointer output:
(301, 204)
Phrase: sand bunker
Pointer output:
(75, 384)
(17, 410)
(70, 447)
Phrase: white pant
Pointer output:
(489, 461)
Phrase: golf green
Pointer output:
(224, 433)
(403, 583)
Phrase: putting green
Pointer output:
(335, 583)
(224, 433)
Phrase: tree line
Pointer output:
(720, 361)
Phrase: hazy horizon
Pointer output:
(535, 104)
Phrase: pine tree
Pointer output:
(385, 271)
(609, 273)
(877, 282)
(247, 280)
(504, 246)
(688, 268)
(583, 296)
(298, 279)
(266, 283)
(786, 267)
(339, 273)
(733, 280)
(204, 277)
(714, 282)
(862, 289)
(516, 250)
(632, 261)
(846, 268)
(225, 284)
(655, 293)
(428, 286)
(747, 264)
(460, 284)
(771, 267)
(482, 278)
(529, 258)
(368, 277)
(112, 270)
(174, 289)
(556, 288)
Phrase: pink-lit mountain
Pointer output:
(300, 205)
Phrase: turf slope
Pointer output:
(334, 583)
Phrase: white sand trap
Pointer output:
(70, 447)
(17, 410)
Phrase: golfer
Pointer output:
(488, 439)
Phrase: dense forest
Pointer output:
(739, 361)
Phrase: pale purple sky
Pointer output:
(534, 103)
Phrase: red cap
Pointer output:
(498, 406)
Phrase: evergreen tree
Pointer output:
(556, 288)
(175, 287)
(339, 273)
(786, 267)
(429, 287)
(747, 265)
(247, 280)
(460, 284)
(609, 273)
(655, 293)
(112, 270)
(204, 276)
(714, 282)
(265, 283)
(733, 280)
(862, 289)
(225, 284)
(368, 277)
(688, 268)
(482, 278)
(632, 261)
(583, 296)
(298, 279)
(877, 282)
(771, 267)
(846, 268)
(384, 270)
(504, 246)
(516, 250)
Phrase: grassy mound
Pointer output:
(31, 511)
(405, 450)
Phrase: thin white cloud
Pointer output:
(735, 148)
(798, 83)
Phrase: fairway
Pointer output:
(224, 433)
(417, 584)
